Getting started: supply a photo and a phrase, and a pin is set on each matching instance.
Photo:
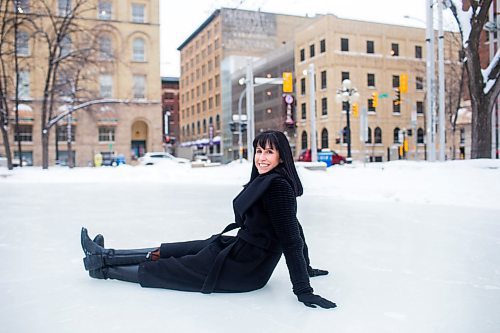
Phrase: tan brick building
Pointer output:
(208, 58)
(128, 69)
(374, 57)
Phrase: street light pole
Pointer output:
(349, 95)
(442, 132)
(429, 39)
(312, 102)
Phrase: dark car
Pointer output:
(305, 156)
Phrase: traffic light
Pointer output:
(355, 109)
(243, 127)
(287, 82)
(375, 99)
(232, 126)
(403, 83)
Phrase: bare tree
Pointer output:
(483, 85)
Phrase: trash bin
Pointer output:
(325, 156)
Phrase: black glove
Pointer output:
(315, 272)
(312, 300)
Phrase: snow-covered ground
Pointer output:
(410, 246)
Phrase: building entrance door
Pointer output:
(138, 148)
(138, 144)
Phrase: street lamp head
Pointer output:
(241, 81)
(346, 84)
(345, 96)
(304, 72)
(338, 98)
(355, 96)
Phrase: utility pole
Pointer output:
(442, 131)
(312, 103)
(250, 110)
(431, 153)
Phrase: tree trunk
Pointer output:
(6, 143)
(45, 148)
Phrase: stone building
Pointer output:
(126, 68)
(170, 111)
(225, 41)
(376, 58)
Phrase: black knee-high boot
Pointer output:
(97, 257)
(129, 273)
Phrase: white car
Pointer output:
(160, 157)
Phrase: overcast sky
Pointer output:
(178, 19)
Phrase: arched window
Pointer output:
(378, 135)
(210, 121)
(138, 50)
(324, 138)
(204, 126)
(344, 135)
(396, 135)
(198, 127)
(188, 132)
(105, 47)
(420, 135)
(22, 43)
(192, 129)
(369, 138)
(304, 140)
(217, 122)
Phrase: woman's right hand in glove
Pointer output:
(312, 300)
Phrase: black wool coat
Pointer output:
(265, 211)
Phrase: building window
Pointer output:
(344, 76)
(303, 140)
(303, 86)
(369, 138)
(25, 134)
(217, 100)
(344, 44)
(324, 138)
(139, 86)
(419, 83)
(370, 46)
(345, 106)
(418, 52)
(394, 49)
(24, 85)
(462, 136)
(138, 50)
(312, 51)
(26, 157)
(23, 6)
(322, 46)
(371, 80)
(378, 135)
(323, 80)
(396, 106)
(107, 133)
(198, 127)
(395, 136)
(302, 54)
(420, 107)
(106, 86)
(303, 111)
(105, 48)
(105, 9)
(217, 122)
(62, 133)
(22, 43)
(204, 126)
(324, 106)
(63, 7)
(395, 81)
(138, 13)
(420, 135)
(66, 46)
(371, 107)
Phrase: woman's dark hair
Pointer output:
(277, 140)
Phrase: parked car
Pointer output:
(305, 156)
(160, 157)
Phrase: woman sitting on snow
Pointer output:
(265, 213)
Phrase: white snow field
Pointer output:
(410, 246)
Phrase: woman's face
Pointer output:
(266, 158)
